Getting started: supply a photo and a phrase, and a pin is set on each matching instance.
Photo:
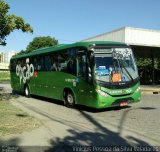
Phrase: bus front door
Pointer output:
(85, 91)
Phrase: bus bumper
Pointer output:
(112, 101)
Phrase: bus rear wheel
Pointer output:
(26, 91)
(69, 99)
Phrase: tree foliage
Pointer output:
(145, 70)
(10, 22)
(41, 42)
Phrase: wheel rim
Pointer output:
(70, 99)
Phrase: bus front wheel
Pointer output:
(26, 91)
(69, 99)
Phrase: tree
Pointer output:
(41, 42)
(10, 22)
(145, 69)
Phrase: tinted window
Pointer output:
(48, 64)
(64, 61)
(13, 65)
(41, 63)
(54, 62)
(82, 65)
(71, 62)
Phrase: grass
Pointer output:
(4, 76)
(14, 120)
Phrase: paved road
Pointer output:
(137, 125)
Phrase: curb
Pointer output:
(150, 91)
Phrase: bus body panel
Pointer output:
(115, 100)
(52, 84)
(85, 94)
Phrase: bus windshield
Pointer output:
(115, 65)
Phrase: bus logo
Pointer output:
(25, 72)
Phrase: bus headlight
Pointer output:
(138, 89)
(102, 93)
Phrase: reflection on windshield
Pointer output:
(116, 65)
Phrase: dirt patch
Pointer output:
(14, 120)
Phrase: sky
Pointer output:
(74, 20)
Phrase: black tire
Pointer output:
(14, 92)
(27, 91)
(69, 99)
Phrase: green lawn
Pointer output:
(14, 120)
(4, 76)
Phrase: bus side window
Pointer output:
(13, 65)
(47, 61)
(40, 63)
(82, 66)
(19, 62)
(54, 62)
(67, 61)
(71, 62)
(35, 62)
(62, 61)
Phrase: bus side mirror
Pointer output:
(89, 72)
(90, 75)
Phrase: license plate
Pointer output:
(123, 104)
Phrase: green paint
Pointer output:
(87, 89)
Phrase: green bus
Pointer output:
(96, 74)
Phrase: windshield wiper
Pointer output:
(122, 66)
(126, 71)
